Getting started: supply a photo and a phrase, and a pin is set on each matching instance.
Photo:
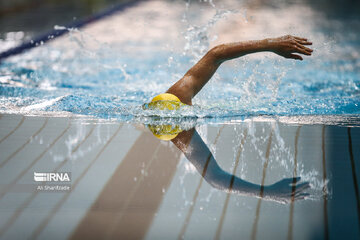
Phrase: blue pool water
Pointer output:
(125, 181)
(111, 82)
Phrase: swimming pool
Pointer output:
(89, 74)
(74, 105)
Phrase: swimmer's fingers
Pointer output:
(298, 49)
(303, 47)
(301, 187)
(300, 38)
(303, 42)
(291, 47)
(301, 196)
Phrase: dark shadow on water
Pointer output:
(198, 153)
(340, 200)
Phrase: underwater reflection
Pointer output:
(198, 153)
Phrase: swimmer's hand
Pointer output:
(286, 46)
(286, 190)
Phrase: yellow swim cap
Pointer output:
(166, 96)
(165, 132)
(165, 101)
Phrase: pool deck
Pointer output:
(127, 183)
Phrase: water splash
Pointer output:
(82, 75)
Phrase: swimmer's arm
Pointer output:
(284, 46)
(196, 151)
(194, 80)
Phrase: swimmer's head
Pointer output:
(165, 132)
(164, 101)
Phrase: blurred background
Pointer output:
(34, 17)
(22, 20)
(38, 16)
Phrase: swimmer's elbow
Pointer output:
(219, 180)
(216, 54)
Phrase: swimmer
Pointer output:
(190, 142)
(195, 79)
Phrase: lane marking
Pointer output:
(27, 142)
(291, 216)
(257, 214)
(10, 133)
(219, 229)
